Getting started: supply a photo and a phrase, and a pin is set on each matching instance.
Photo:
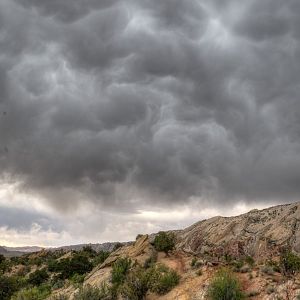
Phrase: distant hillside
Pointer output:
(97, 247)
(10, 253)
(19, 251)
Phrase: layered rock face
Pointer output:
(259, 233)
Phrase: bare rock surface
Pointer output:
(258, 233)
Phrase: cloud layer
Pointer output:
(139, 104)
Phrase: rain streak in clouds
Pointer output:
(113, 112)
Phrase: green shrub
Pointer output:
(193, 262)
(136, 285)
(4, 266)
(250, 260)
(100, 258)
(119, 270)
(57, 283)
(35, 293)
(88, 251)
(92, 293)
(274, 264)
(77, 279)
(38, 277)
(267, 270)
(2, 258)
(290, 263)
(149, 262)
(8, 286)
(162, 279)
(225, 286)
(67, 267)
(164, 242)
(117, 246)
(237, 265)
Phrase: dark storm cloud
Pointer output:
(128, 104)
(66, 11)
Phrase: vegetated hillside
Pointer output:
(19, 251)
(252, 256)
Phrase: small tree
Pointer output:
(8, 286)
(38, 277)
(2, 258)
(164, 242)
(290, 263)
(225, 286)
(119, 270)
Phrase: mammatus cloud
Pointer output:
(130, 106)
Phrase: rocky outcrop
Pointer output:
(138, 252)
(258, 233)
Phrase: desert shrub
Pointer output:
(290, 263)
(8, 286)
(225, 286)
(164, 242)
(270, 290)
(162, 279)
(274, 265)
(245, 269)
(36, 261)
(2, 258)
(77, 279)
(92, 293)
(35, 293)
(119, 270)
(135, 286)
(237, 265)
(249, 260)
(117, 246)
(149, 262)
(253, 294)
(193, 262)
(38, 277)
(57, 283)
(228, 258)
(89, 251)
(100, 258)
(4, 265)
(67, 267)
(138, 236)
(267, 270)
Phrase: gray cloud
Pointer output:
(23, 220)
(145, 103)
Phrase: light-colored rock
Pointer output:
(259, 233)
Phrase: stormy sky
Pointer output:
(121, 117)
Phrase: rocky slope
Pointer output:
(259, 233)
(203, 248)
